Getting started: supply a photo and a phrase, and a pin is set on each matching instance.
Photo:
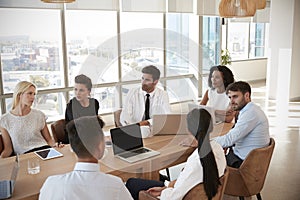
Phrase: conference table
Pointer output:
(171, 153)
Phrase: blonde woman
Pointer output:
(24, 129)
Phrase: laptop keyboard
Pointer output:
(3, 189)
(134, 152)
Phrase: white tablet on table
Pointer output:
(46, 154)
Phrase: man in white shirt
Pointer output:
(85, 181)
(134, 109)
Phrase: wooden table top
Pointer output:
(171, 153)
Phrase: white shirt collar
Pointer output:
(151, 93)
(84, 166)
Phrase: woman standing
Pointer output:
(24, 129)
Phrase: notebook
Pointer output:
(7, 186)
(128, 144)
(169, 124)
(211, 111)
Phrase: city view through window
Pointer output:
(32, 49)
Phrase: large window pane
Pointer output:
(238, 39)
(178, 44)
(211, 42)
(141, 43)
(181, 90)
(257, 40)
(31, 48)
(92, 45)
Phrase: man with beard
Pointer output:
(251, 130)
(135, 108)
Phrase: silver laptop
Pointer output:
(169, 124)
(7, 186)
(210, 109)
(128, 144)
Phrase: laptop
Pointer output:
(210, 109)
(7, 186)
(169, 124)
(128, 144)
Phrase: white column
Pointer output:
(279, 70)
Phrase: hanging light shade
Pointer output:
(58, 1)
(261, 4)
(237, 8)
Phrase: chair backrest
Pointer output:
(249, 178)
(58, 130)
(117, 115)
(196, 192)
(1, 144)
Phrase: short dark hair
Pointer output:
(85, 134)
(241, 86)
(83, 79)
(154, 71)
(227, 74)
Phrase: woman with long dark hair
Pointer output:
(205, 165)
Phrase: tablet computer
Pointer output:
(47, 154)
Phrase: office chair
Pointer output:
(249, 178)
(196, 192)
(1, 144)
(58, 130)
(117, 115)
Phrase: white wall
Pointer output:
(249, 70)
(295, 71)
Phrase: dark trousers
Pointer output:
(233, 160)
(135, 185)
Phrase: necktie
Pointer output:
(147, 105)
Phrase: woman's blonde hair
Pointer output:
(20, 88)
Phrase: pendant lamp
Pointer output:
(237, 8)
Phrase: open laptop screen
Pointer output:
(126, 138)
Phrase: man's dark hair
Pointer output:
(154, 71)
(227, 75)
(85, 134)
(83, 79)
(240, 86)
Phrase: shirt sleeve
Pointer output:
(166, 103)
(245, 124)
(126, 116)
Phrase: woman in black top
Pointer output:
(82, 104)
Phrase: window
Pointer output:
(257, 40)
(238, 40)
(211, 42)
(92, 46)
(246, 40)
(181, 52)
(92, 50)
(31, 51)
(141, 43)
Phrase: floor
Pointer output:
(283, 178)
